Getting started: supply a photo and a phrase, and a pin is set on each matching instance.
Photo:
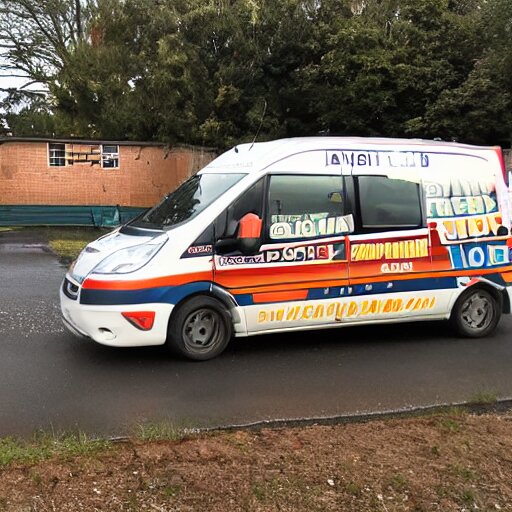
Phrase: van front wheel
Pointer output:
(200, 329)
(476, 313)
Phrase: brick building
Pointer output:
(67, 181)
(78, 173)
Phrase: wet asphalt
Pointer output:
(52, 381)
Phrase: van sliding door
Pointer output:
(390, 260)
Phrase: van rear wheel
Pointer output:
(476, 313)
(200, 329)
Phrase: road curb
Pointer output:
(499, 406)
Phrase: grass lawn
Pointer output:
(68, 242)
(451, 461)
(65, 241)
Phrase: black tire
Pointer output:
(199, 329)
(476, 313)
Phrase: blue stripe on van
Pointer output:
(244, 299)
(162, 294)
(409, 285)
(174, 294)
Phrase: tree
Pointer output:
(385, 62)
(478, 107)
(252, 66)
(35, 120)
(37, 38)
(218, 72)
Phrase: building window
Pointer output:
(109, 156)
(56, 154)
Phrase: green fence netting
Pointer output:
(41, 215)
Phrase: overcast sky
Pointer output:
(13, 81)
(7, 81)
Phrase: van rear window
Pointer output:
(389, 203)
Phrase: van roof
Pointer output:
(259, 155)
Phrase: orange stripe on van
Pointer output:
(280, 296)
(343, 281)
(285, 279)
(422, 275)
(286, 286)
(248, 277)
(507, 276)
(139, 284)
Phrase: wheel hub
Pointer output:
(477, 312)
(200, 328)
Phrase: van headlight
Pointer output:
(131, 258)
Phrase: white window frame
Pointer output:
(51, 155)
(110, 156)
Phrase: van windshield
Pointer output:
(188, 200)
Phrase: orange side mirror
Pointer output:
(250, 226)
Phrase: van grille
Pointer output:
(70, 290)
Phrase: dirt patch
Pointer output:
(448, 462)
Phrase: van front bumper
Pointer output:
(106, 324)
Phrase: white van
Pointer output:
(304, 233)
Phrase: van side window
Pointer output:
(303, 207)
(387, 203)
(225, 225)
(251, 201)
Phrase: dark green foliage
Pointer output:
(213, 71)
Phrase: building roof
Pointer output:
(82, 141)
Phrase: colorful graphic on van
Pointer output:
(393, 268)
(337, 311)
(305, 253)
(309, 225)
(390, 255)
(376, 158)
(392, 250)
(469, 224)
(472, 227)
(458, 197)
(479, 255)
(198, 250)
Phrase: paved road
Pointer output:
(49, 379)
